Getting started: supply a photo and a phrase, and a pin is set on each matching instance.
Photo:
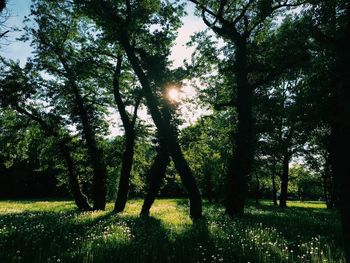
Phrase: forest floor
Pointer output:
(53, 231)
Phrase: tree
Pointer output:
(20, 86)
(60, 43)
(129, 127)
(284, 134)
(155, 175)
(330, 29)
(246, 25)
(206, 146)
(308, 184)
(122, 21)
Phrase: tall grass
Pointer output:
(53, 231)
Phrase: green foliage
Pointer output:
(295, 63)
(28, 158)
(307, 185)
(206, 147)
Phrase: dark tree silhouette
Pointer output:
(237, 24)
(155, 176)
(105, 12)
(129, 127)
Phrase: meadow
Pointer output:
(54, 231)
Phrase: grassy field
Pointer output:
(53, 231)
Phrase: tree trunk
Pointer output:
(340, 139)
(284, 181)
(341, 169)
(327, 184)
(274, 190)
(127, 161)
(257, 189)
(79, 198)
(124, 182)
(95, 153)
(242, 159)
(156, 175)
(167, 135)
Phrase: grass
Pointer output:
(53, 231)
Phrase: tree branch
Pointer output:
(243, 12)
(273, 9)
(4, 33)
(204, 8)
(118, 98)
(137, 104)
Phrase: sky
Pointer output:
(18, 50)
(13, 49)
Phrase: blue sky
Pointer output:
(17, 50)
(13, 49)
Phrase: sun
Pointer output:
(174, 94)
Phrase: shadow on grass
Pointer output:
(73, 236)
(68, 235)
(294, 223)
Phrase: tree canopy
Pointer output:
(271, 78)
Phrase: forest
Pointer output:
(112, 151)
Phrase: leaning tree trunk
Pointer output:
(167, 135)
(241, 163)
(127, 161)
(95, 153)
(156, 174)
(79, 198)
(284, 181)
(128, 155)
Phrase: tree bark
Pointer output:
(128, 155)
(167, 135)
(80, 199)
(327, 184)
(124, 182)
(340, 139)
(340, 146)
(241, 164)
(284, 181)
(156, 175)
(274, 190)
(257, 189)
(95, 153)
